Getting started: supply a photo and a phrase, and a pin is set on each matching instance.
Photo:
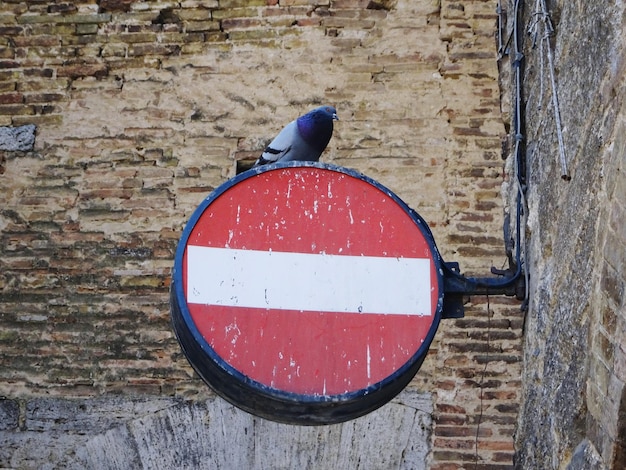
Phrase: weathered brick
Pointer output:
(55, 29)
(56, 54)
(338, 22)
(43, 85)
(195, 15)
(153, 49)
(38, 72)
(6, 53)
(9, 64)
(7, 87)
(11, 98)
(17, 110)
(454, 444)
(241, 23)
(75, 19)
(83, 70)
(11, 30)
(229, 4)
(136, 37)
(88, 28)
(49, 119)
(108, 6)
(44, 97)
(114, 50)
(195, 26)
(62, 8)
(232, 13)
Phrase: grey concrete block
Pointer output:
(9, 414)
(120, 432)
(20, 138)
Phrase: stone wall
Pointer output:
(141, 109)
(573, 407)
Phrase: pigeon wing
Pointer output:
(281, 145)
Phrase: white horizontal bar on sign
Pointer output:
(312, 282)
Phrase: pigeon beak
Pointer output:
(335, 117)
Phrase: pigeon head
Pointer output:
(316, 127)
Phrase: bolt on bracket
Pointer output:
(457, 287)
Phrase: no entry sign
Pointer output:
(306, 293)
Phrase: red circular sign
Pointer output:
(310, 281)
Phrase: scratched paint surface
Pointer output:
(311, 211)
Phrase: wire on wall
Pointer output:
(541, 29)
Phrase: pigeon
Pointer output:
(303, 139)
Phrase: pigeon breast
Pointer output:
(316, 129)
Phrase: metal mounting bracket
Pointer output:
(456, 287)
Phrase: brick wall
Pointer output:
(142, 108)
